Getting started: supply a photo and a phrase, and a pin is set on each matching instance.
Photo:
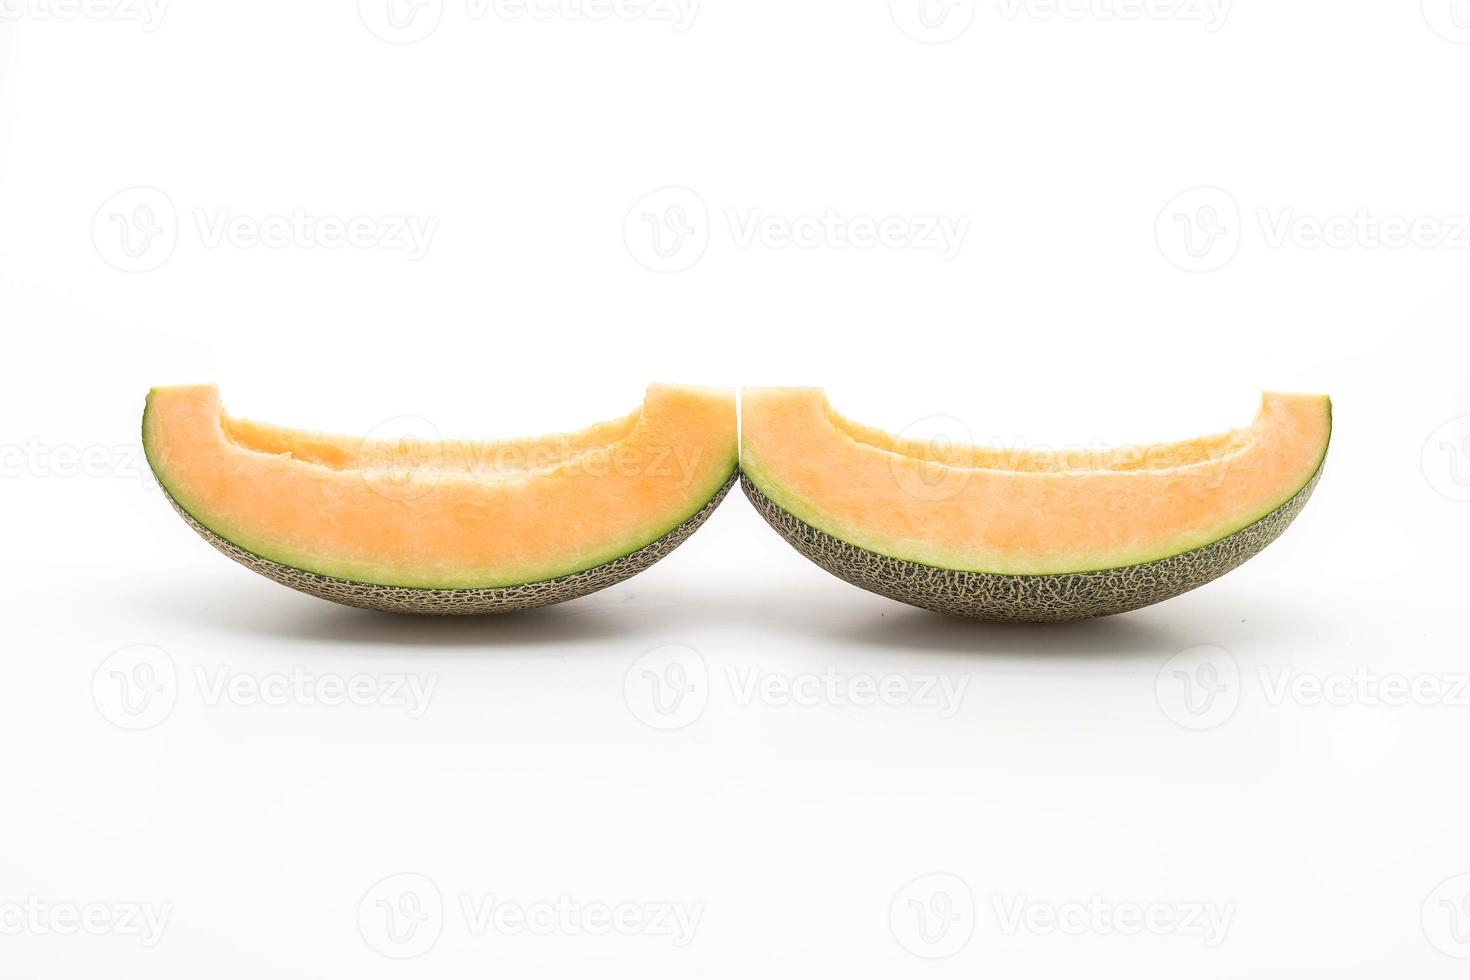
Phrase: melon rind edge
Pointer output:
(1059, 597)
(460, 602)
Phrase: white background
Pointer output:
(1095, 297)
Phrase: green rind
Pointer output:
(460, 602)
(1028, 598)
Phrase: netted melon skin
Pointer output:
(460, 602)
(1028, 598)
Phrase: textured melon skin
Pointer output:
(1028, 598)
(460, 602)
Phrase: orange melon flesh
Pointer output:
(443, 515)
(974, 509)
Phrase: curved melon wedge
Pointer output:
(445, 527)
(1028, 536)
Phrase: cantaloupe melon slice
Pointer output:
(1034, 536)
(445, 527)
